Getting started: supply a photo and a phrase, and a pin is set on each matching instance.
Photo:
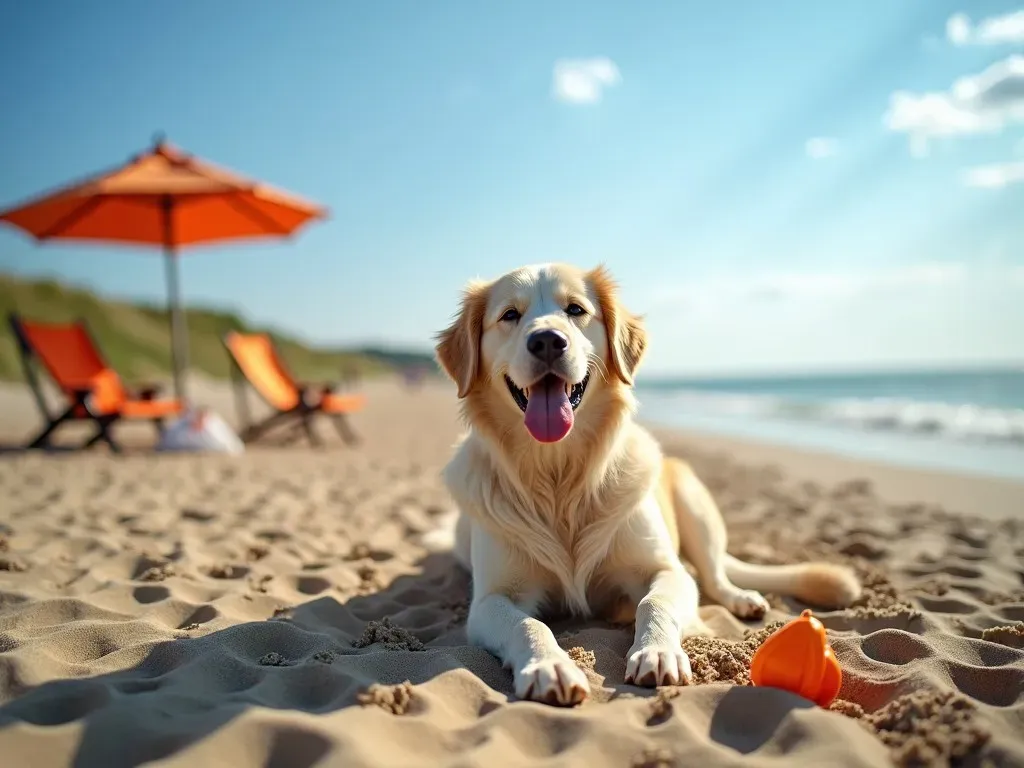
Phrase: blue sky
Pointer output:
(776, 186)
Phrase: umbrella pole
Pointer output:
(178, 327)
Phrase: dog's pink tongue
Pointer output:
(549, 413)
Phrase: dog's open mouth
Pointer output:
(549, 405)
(574, 393)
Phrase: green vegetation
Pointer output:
(135, 338)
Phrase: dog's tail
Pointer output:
(824, 585)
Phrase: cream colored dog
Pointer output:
(566, 504)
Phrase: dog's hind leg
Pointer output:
(703, 541)
(732, 582)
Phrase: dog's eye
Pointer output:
(575, 310)
(511, 315)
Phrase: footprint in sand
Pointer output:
(312, 585)
(201, 615)
(151, 594)
(894, 646)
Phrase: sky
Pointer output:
(776, 187)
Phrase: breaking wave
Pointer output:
(962, 422)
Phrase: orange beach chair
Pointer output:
(255, 360)
(93, 390)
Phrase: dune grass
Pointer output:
(135, 338)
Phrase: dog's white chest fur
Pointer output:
(576, 542)
(562, 531)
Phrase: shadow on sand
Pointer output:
(315, 658)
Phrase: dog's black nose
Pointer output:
(547, 345)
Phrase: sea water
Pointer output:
(967, 421)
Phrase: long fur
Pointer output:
(596, 523)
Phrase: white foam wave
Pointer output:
(964, 422)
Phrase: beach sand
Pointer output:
(277, 609)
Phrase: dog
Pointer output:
(566, 505)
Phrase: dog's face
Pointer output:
(540, 344)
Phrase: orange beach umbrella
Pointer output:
(164, 197)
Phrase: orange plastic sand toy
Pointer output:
(798, 658)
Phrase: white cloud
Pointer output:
(977, 104)
(958, 29)
(1007, 29)
(996, 175)
(821, 147)
(583, 81)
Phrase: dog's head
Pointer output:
(546, 346)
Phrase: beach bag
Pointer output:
(200, 430)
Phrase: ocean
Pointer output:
(967, 421)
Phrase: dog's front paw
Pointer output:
(554, 680)
(656, 665)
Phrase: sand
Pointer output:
(278, 609)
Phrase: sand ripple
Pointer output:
(279, 611)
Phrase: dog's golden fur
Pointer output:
(596, 522)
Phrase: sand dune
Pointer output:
(278, 609)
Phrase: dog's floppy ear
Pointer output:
(458, 346)
(627, 338)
